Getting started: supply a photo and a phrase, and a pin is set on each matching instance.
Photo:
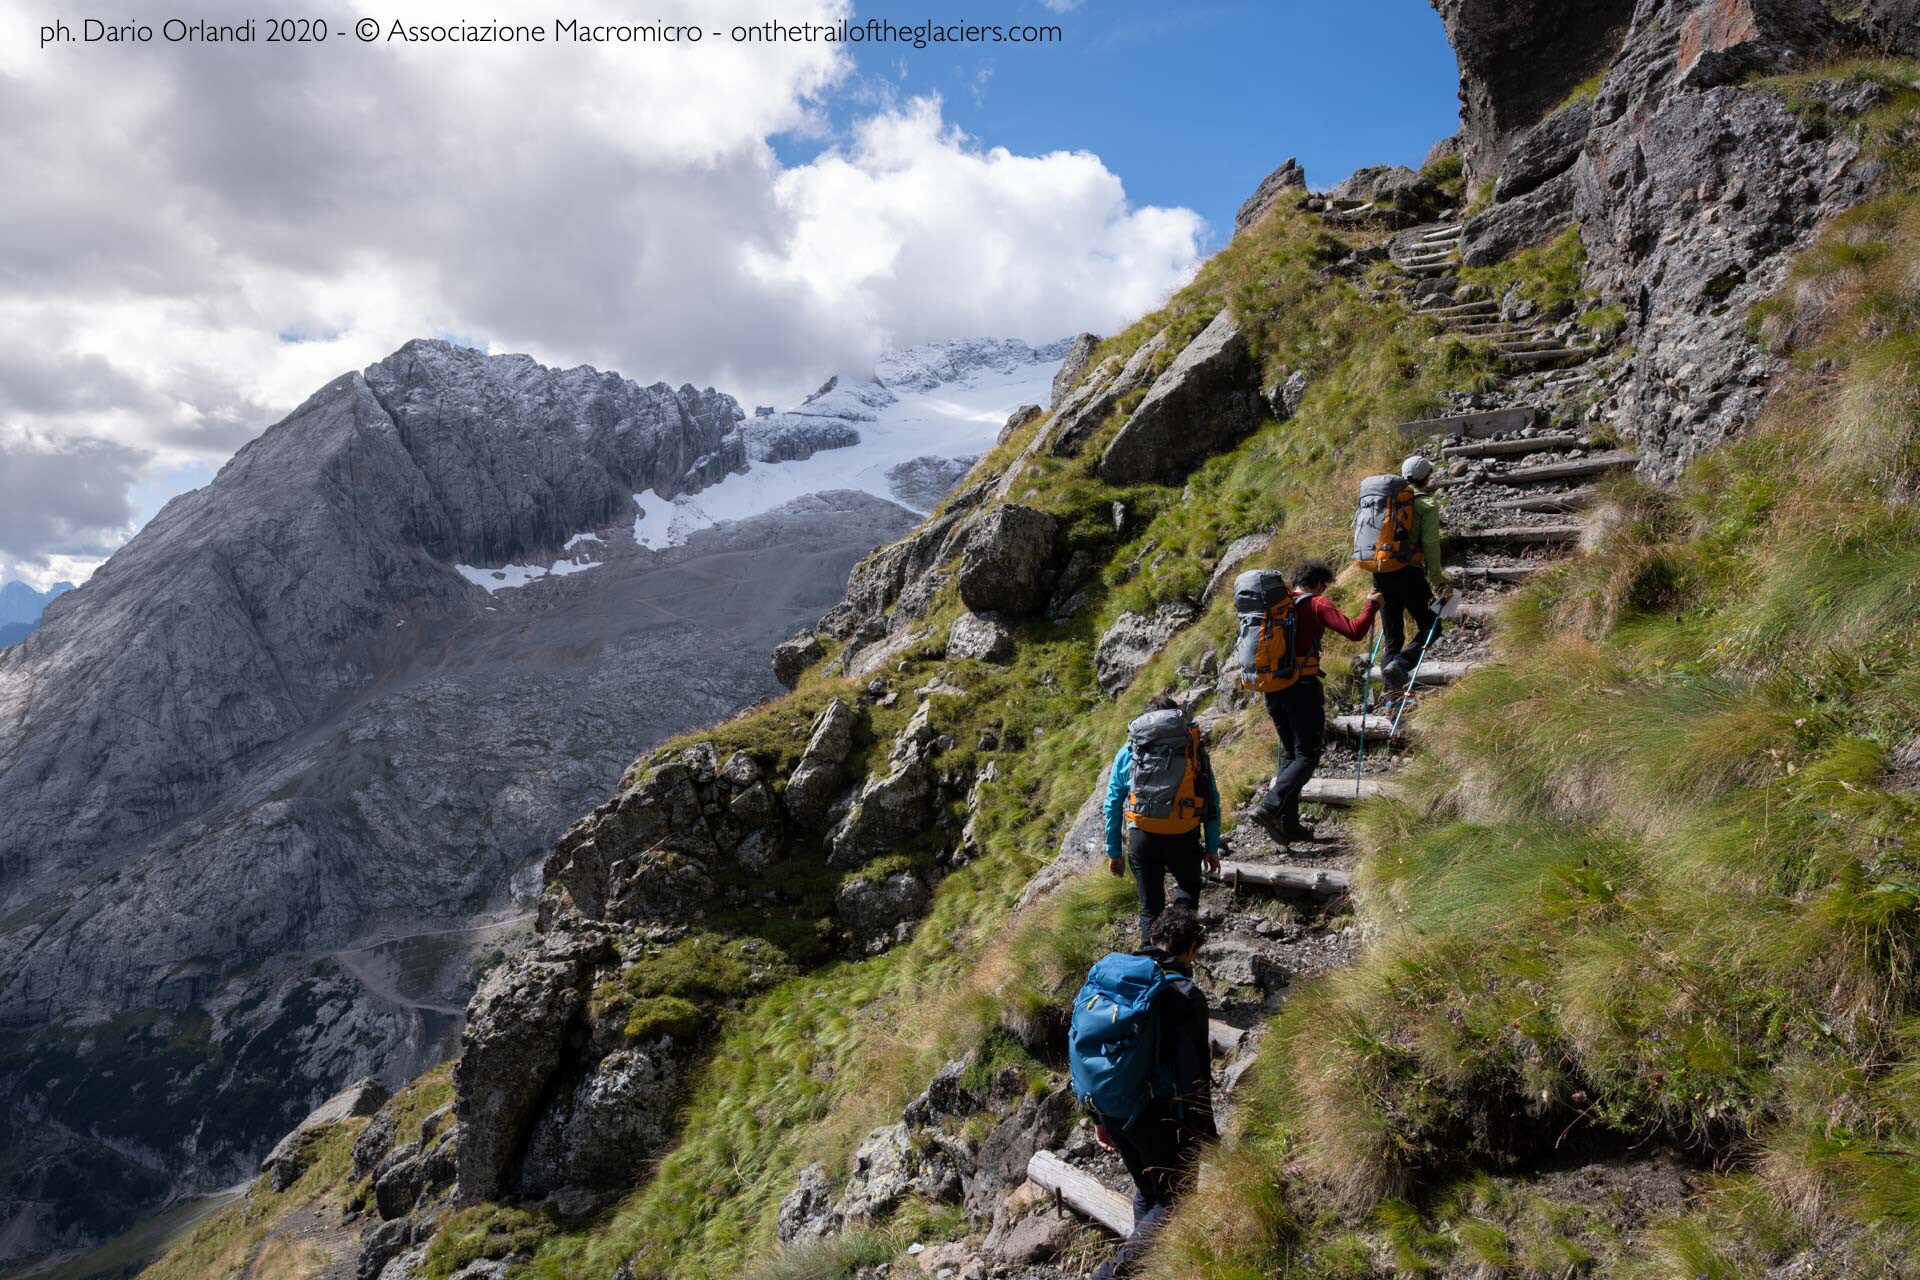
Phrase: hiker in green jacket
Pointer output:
(1410, 590)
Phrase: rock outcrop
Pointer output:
(980, 636)
(1134, 640)
(1008, 555)
(1079, 356)
(1288, 177)
(1204, 403)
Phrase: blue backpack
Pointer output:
(1113, 1048)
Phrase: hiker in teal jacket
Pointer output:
(1153, 855)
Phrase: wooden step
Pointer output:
(1550, 503)
(1547, 356)
(1315, 880)
(1434, 269)
(1374, 728)
(1461, 309)
(1519, 535)
(1599, 464)
(1484, 612)
(1341, 792)
(1492, 572)
(1474, 426)
(1484, 330)
(1517, 444)
(1083, 1193)
(1437, 672)
(1452, 231)
(1526, 346)
(1224, 1037)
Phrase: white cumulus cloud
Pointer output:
(195, 238)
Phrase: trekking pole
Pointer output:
(1366, 704)
(1413, 677)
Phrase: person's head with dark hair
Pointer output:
(1312, 576)
(1176, 930)
(1162, 702)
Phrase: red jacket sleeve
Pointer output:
(1355, 629)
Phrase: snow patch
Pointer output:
(509, 576)
(941, 400)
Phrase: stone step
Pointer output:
(1374, 728)
(1474, 426)
(1549, 503)
(1519, 535)
(1518, 444)
(1341, 792)
(1315, 880)
(1547, 356)
(1492, 572)
(1599, 464)
(1083, 1193)
(1438, 671)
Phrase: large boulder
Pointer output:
(1008, 554)
(1288, 177)
(1518, 224)
(1545, 151)
(1132, 642)
(1019, 420)
(1204, 403)
(1893, 25)
(980, 636)
(1037, 1124)
(888, 1166)
(816, 779)
(1074, 367)
(518, 1027)
(792, 657)
(1391, 183)
(875, 909)
(892, 809)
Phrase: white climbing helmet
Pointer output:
(1417, 468)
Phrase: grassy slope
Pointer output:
(1657, 884)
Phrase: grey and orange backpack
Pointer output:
(1266, 652)
(1383, 527)
(1164, 797)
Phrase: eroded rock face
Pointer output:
(893, 807)
(618, 1115)
(1079, 356)
(517, 1031)
(1545, 151)
(1134, 640)
(1089, 405)
(1007, 557)
(874, 909)
(1518, 60)
(1204, 403)
(1288, 177)
(1518, 224)
(816, 779)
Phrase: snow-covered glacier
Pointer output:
(906, 433)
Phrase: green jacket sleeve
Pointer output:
(1426, 510)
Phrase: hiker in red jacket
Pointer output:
(1299, 712)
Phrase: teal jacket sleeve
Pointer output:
(1119, 782)
(1427, 509)
(1210, 792)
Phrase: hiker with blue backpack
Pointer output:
(1140, 1061)
(1396, 537)
(1162, 809)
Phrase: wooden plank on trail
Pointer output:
(1492, 572)
(1497, 448)
(1517, 535)
(1439, 672)
(1549, 503)
(1267, 875)
(1341, 792)
(1596, 465)
(1085, 1194)
(1491, 422)
(1372, 728)
(1224, 1036)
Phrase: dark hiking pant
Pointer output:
(1159, 1153)
(1299, 714)
(1154, 857)
(1405, 595)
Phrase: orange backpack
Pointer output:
(1384, 537)
(1268, 657)
(1164, 795)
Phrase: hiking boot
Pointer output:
(1295, 830)
(1395, 677)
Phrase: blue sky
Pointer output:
(1190, 103)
